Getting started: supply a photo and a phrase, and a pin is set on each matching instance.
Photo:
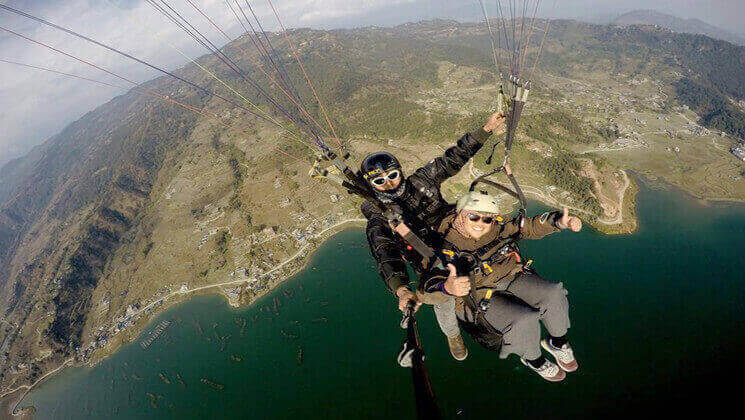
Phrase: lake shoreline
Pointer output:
(655, 183)
(9, 403)
(216, 289)
(13, 399)
(8, 399)
(313, 318)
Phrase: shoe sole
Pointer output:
(546, 347)
(461, 359)
(562, 374)
(559, 378)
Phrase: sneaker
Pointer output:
(458, 348)
(548, 370)
(564, 355)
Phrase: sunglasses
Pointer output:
(476, 217)
(381, 180)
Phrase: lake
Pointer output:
(657, 326)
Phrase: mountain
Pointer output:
(140, 203)
(12, 152)
(676, 24)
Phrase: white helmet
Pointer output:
(478, 201)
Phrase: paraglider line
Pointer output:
(148, 90)
(253, 83)
(261, 49)
(491, 36)
(45, 22)
(300, 63)
(530, 35)
(283, 72)
(63, 73)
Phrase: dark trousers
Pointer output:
(517, 309)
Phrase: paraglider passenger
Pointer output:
(422, 206)
(483, 262)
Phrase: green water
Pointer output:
(657, 327)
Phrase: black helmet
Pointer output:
(376, 163)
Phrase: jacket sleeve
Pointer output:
(535, 227)
(431, 290)
(454, 158)
(385, 249)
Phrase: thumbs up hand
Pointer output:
(569, 222)
(457, 285)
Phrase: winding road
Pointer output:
(30, 387)
(235, 282)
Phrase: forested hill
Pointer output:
(139, 197)
(707, 73)
(691, 26)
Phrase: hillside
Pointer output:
(140, 204)
(676, 24)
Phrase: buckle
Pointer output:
(485, 302)
(487, 267)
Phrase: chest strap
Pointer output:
(476, 261)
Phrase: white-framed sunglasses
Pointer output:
(390, 176)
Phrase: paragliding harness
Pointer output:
(473, 263)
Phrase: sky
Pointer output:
(35, 105)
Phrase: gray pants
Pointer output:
(445, 314)
(517, 310)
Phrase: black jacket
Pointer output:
(423, 208)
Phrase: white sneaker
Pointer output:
(564, 355)
(548, 370)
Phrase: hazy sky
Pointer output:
(35, 105)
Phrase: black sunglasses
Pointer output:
(381, 180)
(476, 217)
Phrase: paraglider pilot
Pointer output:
(419, 198)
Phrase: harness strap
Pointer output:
(521, 197)
(479, 310)
(512, 119)
(414, 241)
(452, 251)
